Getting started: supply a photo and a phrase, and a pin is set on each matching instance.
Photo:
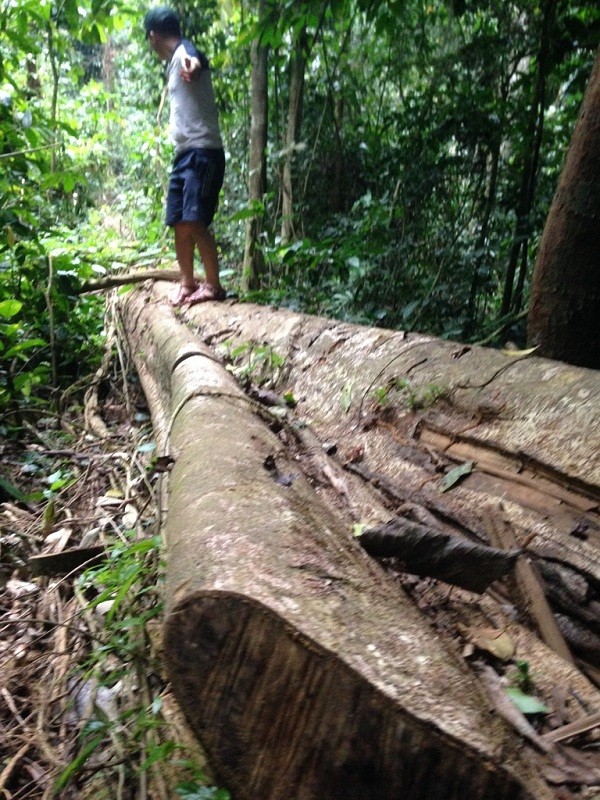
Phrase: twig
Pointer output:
(507, 709)
(507, 322)
(9, 768)
(123, 360)
(11, 705)
(573, 728)
(381, 371)
(504, 367)
(50, 307)
(27, 150)
(93, 420)
(43, 743)
(160, 784)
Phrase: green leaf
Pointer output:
(146, 447)
(456, 475)
(10, 308)
(26, 345)
(346, 399)
(73, 768)
(191, 790)
(526, 703)
(12, 490)
(160, 752)
(244, 213)
(290, 400)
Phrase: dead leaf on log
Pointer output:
(491, 640)
(439, 555)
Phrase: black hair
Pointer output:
(162, 20)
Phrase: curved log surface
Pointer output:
(302, 667)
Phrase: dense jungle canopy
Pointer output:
(409, 157)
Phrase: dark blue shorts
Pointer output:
(194, 186)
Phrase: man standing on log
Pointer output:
(199, 165)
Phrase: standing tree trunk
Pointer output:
(534, 132)
(253, 266)
(565, 301)
(482, 240)
(293, 128)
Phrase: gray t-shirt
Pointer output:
(194, 121)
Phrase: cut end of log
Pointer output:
(267, 701)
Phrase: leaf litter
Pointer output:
(84, 708)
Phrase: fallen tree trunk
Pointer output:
(530, 426)
(299, 663)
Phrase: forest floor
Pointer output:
(85, 710)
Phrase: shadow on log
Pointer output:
(301, 666)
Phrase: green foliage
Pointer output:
(251, 361)
(414, 141)
(190, 790)
(521, 677)
(400, 391)
(406, 170)
(127, 580)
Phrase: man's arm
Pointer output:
(192, 62)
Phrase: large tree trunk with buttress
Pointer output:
(564, 316)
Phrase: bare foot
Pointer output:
(204, 293)
(181, 295)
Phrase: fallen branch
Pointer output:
(9, 768)
(530, 589)
(507, 709)
(67, 561)
(137, 276)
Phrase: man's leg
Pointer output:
(185, 245)
(207, 247)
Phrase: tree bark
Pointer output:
(529, 425)
(303, 669)
(298, 62)
(565, 300)
(253, 266)
(535, 128)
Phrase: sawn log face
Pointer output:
(296, 721)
